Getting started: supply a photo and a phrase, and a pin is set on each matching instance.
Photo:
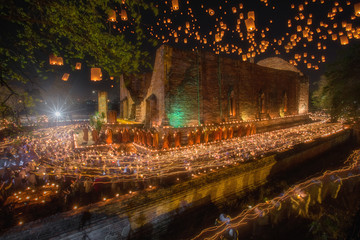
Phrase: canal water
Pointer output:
(191, 222)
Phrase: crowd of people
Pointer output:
(47, 158)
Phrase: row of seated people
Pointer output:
(174, 139)
(150, 138)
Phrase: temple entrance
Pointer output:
(232, 104)
(261, 102)
(262, 114)
(152, 111)
(285, 102)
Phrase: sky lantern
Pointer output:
(112, 15)
(301, 7)
(175, 5)
(250, 24)
(251, 14)
(211, 12)
(234, 9)
(65, 77)
(96, 74)
(309, 21)
(344, 40)
(357, 9)
(124, 16)
(54, 60)
(348, 27)
(217, 37)
(78, 66)
(334, 37)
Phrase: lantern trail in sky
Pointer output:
(300, 31)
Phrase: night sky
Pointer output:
(271, 20)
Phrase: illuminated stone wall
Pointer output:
(216, 78)
(126, 100)
(200, 87)
(102, 103)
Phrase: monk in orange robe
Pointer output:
(198, 136)
(206, 135)
(108, 134)
(224, 131)
(177, 139)
(231, 132)
(155, 137)
(148, 139)
(166, 142)
(190, 139)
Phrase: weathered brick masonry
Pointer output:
(189, 88)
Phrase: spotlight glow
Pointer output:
(57, 114)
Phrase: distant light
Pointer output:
(57, 114)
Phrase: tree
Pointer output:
(97, 121)
(77, 30)
(338, 90)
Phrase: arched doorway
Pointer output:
(261, 101)
(232, 104)
(152, 111)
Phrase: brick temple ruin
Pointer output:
(188, 88)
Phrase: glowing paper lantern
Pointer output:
(78, 66)
(211, 12)
(344, 40)
(217, 38)
(357, 9)
(112, 15)
(251, 14)
(96, 74)
(124, 15)
(54, 60)
(348, 27)
(250, 24)
(175, 5)
(65, 77)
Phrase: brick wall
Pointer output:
(215, 78)
(188, 88)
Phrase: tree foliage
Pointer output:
(77, 30)
(338, 90)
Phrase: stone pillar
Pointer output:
(102, 103)
(303, 96)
